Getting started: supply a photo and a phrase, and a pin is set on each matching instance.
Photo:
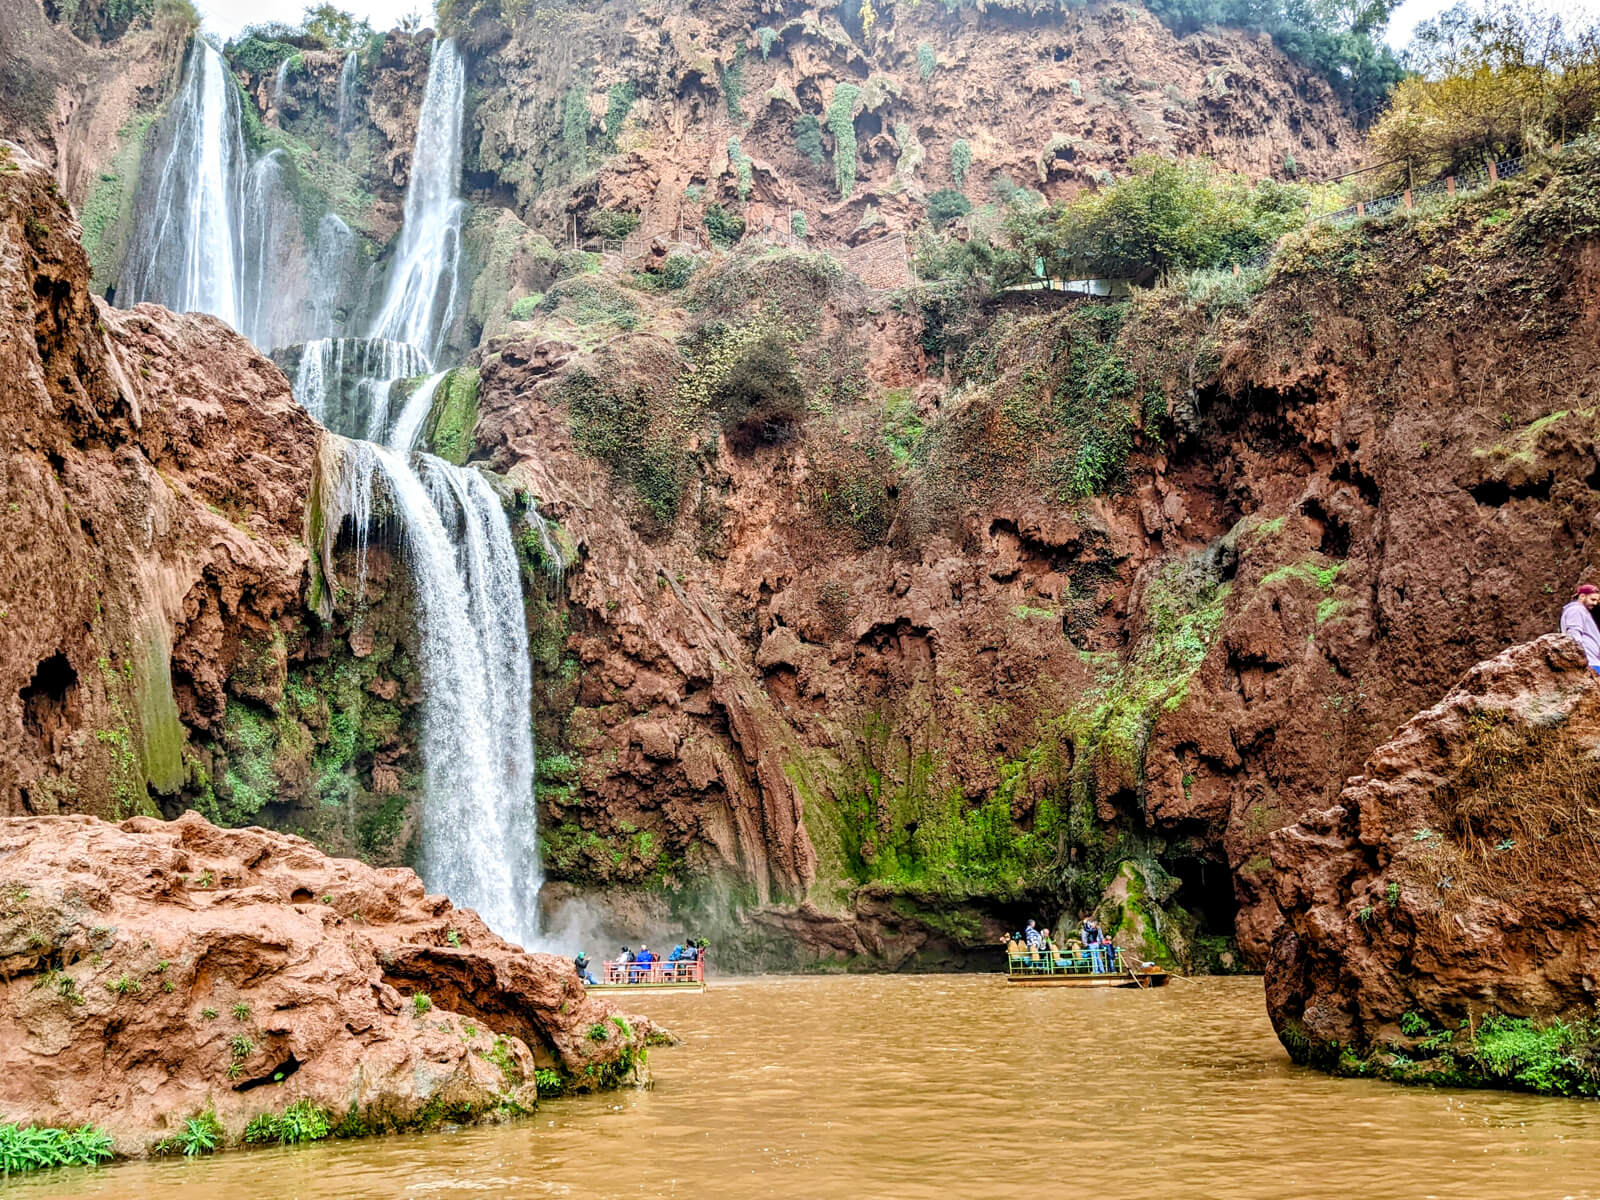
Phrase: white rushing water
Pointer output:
(345, 382)
(408, 425)
(347, 95)
(186, 253)
(479, 832)
(420, 300)
(226, 237)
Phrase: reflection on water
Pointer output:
(907, 1087)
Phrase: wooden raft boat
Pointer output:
(1081, 969)
(659, 976)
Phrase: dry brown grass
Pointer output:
(1523, 813)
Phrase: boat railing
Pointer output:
(685, 971)
(1106, 960)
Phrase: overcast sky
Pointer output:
(227, 17)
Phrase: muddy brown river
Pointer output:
(904, 1087)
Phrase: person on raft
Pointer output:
(1577, 622)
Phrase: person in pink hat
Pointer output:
(1577, 622)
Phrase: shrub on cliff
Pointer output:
(1492, 84)
(723, 227)
(1163, 216)
(947, 205)
(760, 401)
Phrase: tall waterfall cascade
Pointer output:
(219, 234)
(223, 237)
(188, 250)
(420, 301)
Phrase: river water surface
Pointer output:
(949, 1086)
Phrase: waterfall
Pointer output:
(227, 237)
(420, 301)
(186, 253)
(479, 838)
(347, 95)
(279, 78)
(409, 423)
(345, 382)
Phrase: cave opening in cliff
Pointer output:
(1205, 889)
(50, 700)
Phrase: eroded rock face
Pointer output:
(153, 971)
(152, 501)
(1454, 880)
(939, 99)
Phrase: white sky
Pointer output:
(1405, 17)
(227, 17)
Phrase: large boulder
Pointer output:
(1440, 919)
(153, 972)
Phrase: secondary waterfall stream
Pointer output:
(216, 238)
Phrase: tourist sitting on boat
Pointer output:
(1032, 936)
(582, 963)
(643, 962)
(624, 958)
(676, 956)
(691, 952)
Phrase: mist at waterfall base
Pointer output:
(219, 234)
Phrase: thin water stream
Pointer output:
(912, 1087)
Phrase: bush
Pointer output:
(927, 63)
(960, 161)
(1493, 84)
(1164, 216)
(760, 399)
(842, 124)
(808, 138)
(725, 228)
(523, 308)
(28, 1148)
(947, 205)
(611, 224)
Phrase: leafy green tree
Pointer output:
(334, 29)
(946, 205)
(1164, 216)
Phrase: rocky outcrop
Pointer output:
(1448, 896)
(152, 973)
(156, 471)
(776, 108)
(985, 700)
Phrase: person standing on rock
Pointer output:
(1577, 622)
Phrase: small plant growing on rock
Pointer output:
(125, 985)
(209, 1014)
(549, 1083)
(598, 1032)
(241, 1011)
(302, 1121)
(27, 1148)
(451, 936)
(725, 228)
(168, 986)
(927, 63)
(421, 1003)
(206, 880)
(241, 1046)
(1392, 894)
(200, 1135)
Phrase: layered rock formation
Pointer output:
(777, 109)
(980, 697)
(156, 473)
(157, 973)
(1448, 897)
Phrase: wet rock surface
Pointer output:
(153, 972)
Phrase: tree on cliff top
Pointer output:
(1164, 216)
(1492, 82)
